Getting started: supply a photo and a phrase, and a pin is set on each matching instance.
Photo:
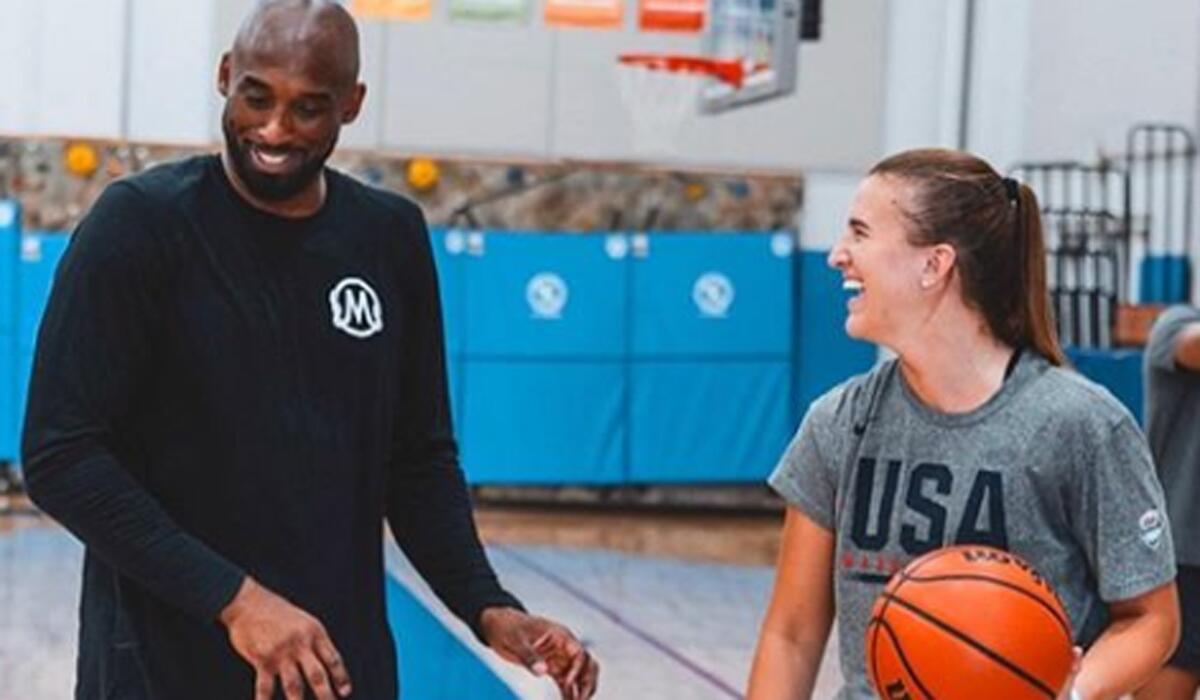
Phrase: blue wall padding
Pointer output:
(10, 232)
(724, 421)
(710, 347)
(40, 253)
(577, 308)
(433, 663)
(825, 355)
(630, 383)
(1120, 371)
(534, 422)
(448, 258)
(1166, 279)
(702, 296)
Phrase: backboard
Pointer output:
(748, 53)
(764, 36)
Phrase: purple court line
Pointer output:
(619, 621)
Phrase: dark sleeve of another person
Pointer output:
(429, 508)
(93, 349)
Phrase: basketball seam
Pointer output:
(1017, 670)
(880, 623)
(1058, 617)
(883, 611)
(901, 579)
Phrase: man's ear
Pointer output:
(354, 103)
(224, 73)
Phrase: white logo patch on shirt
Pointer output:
(356, 308)
(1151, 525)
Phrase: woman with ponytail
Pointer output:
(975, 433)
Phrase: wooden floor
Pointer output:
(670, 602)
(744, 539)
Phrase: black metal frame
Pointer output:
(1161, 156)
(1087, 244)
(1101, 218)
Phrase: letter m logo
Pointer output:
(355, 308)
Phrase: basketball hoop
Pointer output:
(661, 91)
(732, 72)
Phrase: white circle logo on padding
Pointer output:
(617, 246)
(547, 295)
(713, 294)
(782, 245)
(356, 308)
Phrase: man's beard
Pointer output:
(269, 187)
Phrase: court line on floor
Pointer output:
(616, 618)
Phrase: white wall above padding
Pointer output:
(1001, 71)
(438, 86)
(172, 72)
(65, 62)
(467, 89)
(367, 130)
(922, 82)
(227, 17)
(20, 58)
(827, 198)
(833, 121)
(1098, 66)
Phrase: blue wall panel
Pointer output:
(448, 251)
(825, 355)
(530, 422)
(545, 296)
(708, 422)
(628, 380)
(40, 253)
(1165, 279)
(710, 377)
(1120, 371)
(707, 295)
(448, 257)
(10, 228)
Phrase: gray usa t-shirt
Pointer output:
(1173, 428)
(1051, 468)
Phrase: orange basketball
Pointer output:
(969, 622)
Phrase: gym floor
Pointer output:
(670, 602)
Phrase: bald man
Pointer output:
(239, 378)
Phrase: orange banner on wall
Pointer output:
(594, 14)
(671, 15)
(405, 10)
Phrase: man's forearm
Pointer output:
(429, 510)
(98, 501)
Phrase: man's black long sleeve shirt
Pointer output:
(219, 392)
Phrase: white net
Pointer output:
(660, 103)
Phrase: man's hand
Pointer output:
(280, 640)
(543, 647)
